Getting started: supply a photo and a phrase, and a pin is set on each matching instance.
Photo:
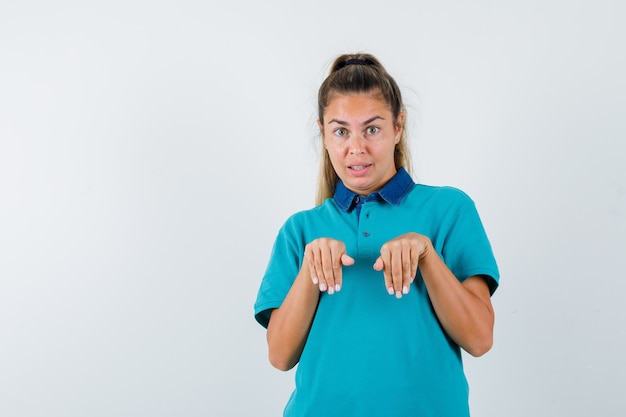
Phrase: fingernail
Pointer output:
(337, 288)
(405, 290)
(322, 287)
(390, 290)
(398, 294)
(315, 281)
(331, 290)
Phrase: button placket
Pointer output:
(365, 213)
(366, 231)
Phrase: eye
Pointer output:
(341, 132)
(372, 130)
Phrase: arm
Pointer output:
(463, 309)
(289, 325)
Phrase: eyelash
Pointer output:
(368, 130)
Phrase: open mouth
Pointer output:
(358, 167)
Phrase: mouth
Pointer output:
(358, 167)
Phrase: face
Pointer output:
(360, 136)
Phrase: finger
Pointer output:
(414, 264)
(407, 272)
(314, 264)
(346, 260)
(397, 272)
(379, 265)
(383, 264)
(339, 259)
(318, 264)
(327, 270)
(337, 265)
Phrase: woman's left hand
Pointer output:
(463, 308)
(399, 259)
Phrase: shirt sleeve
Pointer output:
(466, 249)
(281, 271)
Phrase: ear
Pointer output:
(399, 126)
(321, 128)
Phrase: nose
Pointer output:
(356, 145)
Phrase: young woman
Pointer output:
(374, 292)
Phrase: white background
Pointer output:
(150, 150)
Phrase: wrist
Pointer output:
(427, 251)
(305, 281)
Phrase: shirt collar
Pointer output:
(393, 192)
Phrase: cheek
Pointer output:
(382, 147)
(334, 148)
(332, 153)
(336, 156)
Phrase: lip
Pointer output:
(359, 169)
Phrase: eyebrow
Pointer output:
(368, 121)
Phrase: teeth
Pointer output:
(358, 167)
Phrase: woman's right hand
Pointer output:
(325, 258)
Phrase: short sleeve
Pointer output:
(281, 271)
(466, 248)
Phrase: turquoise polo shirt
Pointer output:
(369, 353)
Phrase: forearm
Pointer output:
(464, 309)
(289, 325)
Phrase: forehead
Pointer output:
(347, 105)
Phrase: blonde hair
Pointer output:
(358, 73)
